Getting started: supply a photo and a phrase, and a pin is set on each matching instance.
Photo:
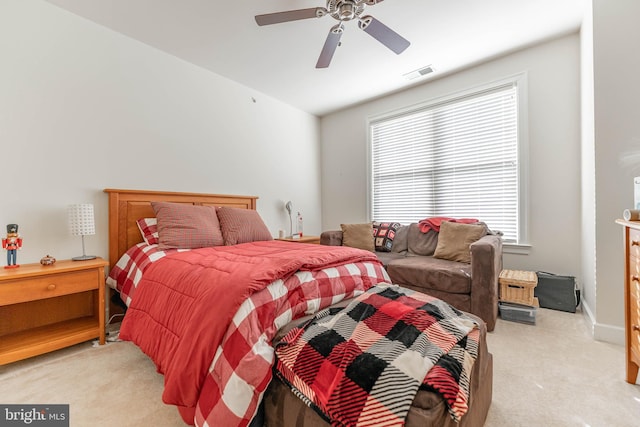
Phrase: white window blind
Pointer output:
(457, 158)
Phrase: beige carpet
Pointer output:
(551, 374)
(555, 374)
(111, 385)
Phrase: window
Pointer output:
(456, 157)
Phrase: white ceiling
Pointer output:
(279, 60)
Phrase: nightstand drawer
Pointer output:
(49, 286)
(634, 243)
(634, 316)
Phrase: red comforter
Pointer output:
(184, 304)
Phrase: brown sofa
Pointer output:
(471, 287)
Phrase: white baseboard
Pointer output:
(601, 331)
(587, 314)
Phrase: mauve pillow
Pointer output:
(358, 236)
(455, 238)
(242, 226)
(186, 226)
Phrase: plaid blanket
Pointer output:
(363, 365)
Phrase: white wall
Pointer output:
(83, 108)
(616, 58)
(553, 70)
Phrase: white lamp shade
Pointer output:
(81, 221)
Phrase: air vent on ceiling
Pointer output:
(420, 72)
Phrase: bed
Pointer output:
(221, 392)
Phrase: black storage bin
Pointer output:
(557, 292)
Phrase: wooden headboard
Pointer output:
(127, 206)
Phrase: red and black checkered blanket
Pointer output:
(363, 365)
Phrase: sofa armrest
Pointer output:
(331, 238)
(486, 265)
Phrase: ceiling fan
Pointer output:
(342, 11)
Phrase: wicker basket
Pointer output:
(517, 286)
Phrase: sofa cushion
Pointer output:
(455, 238)
(383, 235)
(420, 243)
(358, 236)
(387, 257)
(431, 273)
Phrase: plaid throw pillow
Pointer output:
(383, 234)
(242, 226)
(185, 226)
(149, 229)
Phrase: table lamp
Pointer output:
(289, 207)
(82, 223)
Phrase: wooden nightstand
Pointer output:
(303, 239)
(45, 308)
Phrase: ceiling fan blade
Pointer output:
(330, 46)
(383, 34)
(290, 15)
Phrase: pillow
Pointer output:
(242, 226)
(420, 243)
(401, 241)
(383, 234)
(358, 236)
(149, 229)
(455, 238)
(186, 226)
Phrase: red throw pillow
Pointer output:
(149, 229)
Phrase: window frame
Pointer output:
(520, 80)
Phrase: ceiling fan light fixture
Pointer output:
(346, 11)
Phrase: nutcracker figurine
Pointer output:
(12, 243)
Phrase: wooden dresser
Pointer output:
(632, 296)
(45, 308)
